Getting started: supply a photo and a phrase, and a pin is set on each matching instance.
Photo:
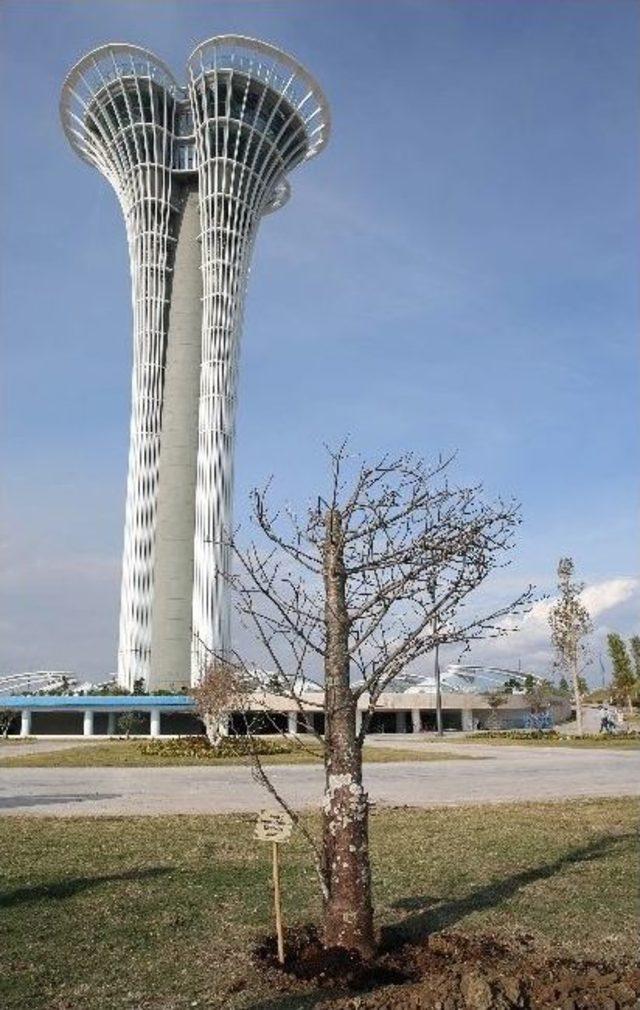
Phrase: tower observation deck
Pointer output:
(194, 168)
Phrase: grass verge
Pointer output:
(131, 753)
(159, 914)
(575, 743)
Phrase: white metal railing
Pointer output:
(39, 680)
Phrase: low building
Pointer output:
(412, 710)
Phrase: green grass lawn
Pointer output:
(119, 753)
(160, 913)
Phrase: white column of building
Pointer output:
(25, 722)
(416, 720)
(467, 720)
(87, 722)
(154, 720)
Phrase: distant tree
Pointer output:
(222, 690)
(624, 679)
(634, 643)
(128, 723)
(109, 690)
(62, 688)
(7, 715)
(570, 626)
(529, 682)
(563, 686)
(495, 699)
(539, 696)
(512, 684)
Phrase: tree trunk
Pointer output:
(577, 698)
(213, 727)
(348, 909)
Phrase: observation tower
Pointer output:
(194, 168)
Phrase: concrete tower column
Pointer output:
(170, 665)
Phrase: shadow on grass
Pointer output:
(75, 885)
(426, 920)
(44, 800)
(300, 1001)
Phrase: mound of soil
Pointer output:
(454, 971)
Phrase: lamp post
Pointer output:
(436, 672)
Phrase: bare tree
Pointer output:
(7, 715)
(128, 723)
(222, 689)
(570, 625)
(495, 700)
(352, 592)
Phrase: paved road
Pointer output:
(507, 774)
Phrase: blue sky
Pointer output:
(457, 270)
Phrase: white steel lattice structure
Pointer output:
(194, 169)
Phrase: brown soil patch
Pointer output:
(453, 971)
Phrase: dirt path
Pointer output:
(15, 748)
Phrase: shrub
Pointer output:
(518, 734)
(129, 722)
(549, 734)
(229, 747)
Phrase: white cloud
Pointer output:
(613, 605)
(604, 596)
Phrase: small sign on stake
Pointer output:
(275, 826)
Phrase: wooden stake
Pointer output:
(276, 901)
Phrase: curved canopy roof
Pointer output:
(460, 679)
